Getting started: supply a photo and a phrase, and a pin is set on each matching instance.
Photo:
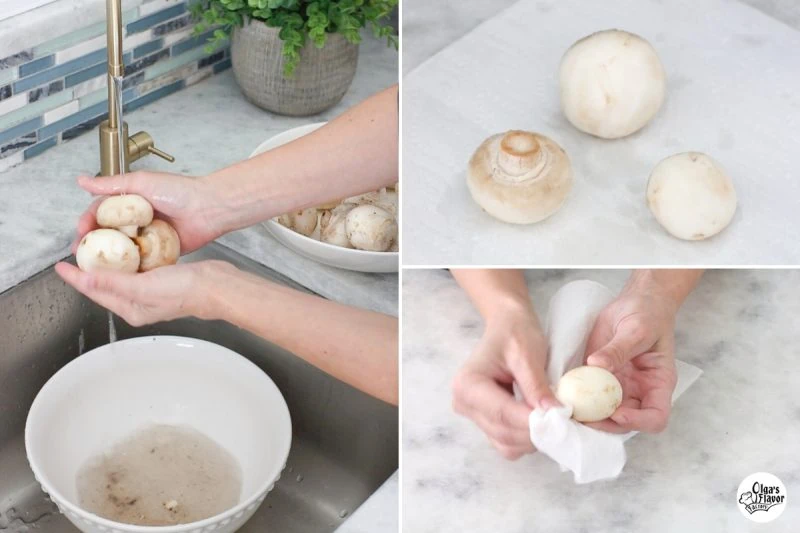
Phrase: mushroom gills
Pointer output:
(519, 177)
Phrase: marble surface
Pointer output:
(473, 88)
(424, 34)
(206, 127)
(742, 416)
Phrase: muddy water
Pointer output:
(162, 475)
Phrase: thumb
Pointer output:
(629, 340)
(109, 185)
(532, 381)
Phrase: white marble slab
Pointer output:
(731, 74)
(742, 416)
(206, 127)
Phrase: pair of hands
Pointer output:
(165, 293)
(632, 338)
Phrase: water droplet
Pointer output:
(343, 513)
(300, 478)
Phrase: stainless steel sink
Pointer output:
(344, 444)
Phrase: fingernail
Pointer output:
(548, 403)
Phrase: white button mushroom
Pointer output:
(126, 213)
(371, 228)
(594, 393)
(107, 249)
(159, 245)
(332, 226)
(519, 177)
(612, 83)
(303, 222)
(691, 196)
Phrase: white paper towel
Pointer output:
(732, 74)
(590, 454)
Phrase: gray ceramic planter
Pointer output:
(320, 80)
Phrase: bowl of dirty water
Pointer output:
(312, 247)
(166, 434)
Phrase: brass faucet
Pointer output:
(139, 144)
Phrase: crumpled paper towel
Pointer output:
(590, 454)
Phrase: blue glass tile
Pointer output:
(86, 74)
(92, 72)
(188, 44)
(151, 20)
(20, 129)
(73, 120)
(147, 48)
(38, 65)
(41, 147)
(155, 95)
(222, 65)
(59, 71)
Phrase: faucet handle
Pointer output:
(163, 155)
(141, 144)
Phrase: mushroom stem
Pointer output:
(130, 231)
(520, 154)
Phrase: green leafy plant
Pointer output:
(298, 20)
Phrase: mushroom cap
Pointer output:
(371, 228)
(519, 177)
(332, 226)
(691, 196)
(387, 199)
(594, 393)
(159, 245)
(123, 211)
(107, 249)
(612, 83)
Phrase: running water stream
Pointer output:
(122, 142)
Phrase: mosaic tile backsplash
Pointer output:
(57, 90)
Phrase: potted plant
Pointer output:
(294, 57)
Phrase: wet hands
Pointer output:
(187, 204)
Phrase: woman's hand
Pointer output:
(634, 338)
(165, 293)
(512, 350)
(188, 204)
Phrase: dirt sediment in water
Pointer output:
(162, 475)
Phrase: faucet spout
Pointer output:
(117, 150)
(116, 67)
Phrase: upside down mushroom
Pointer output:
(519, 177)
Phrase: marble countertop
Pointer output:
(742, 416)
(40, 203)
(424, 34)
(462, 86)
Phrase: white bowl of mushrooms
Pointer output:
(358, 233)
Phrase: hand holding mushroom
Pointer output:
(628, 379)
(633, 338)
(130, 240)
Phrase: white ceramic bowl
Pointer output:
(107, 394)
(322, 252)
